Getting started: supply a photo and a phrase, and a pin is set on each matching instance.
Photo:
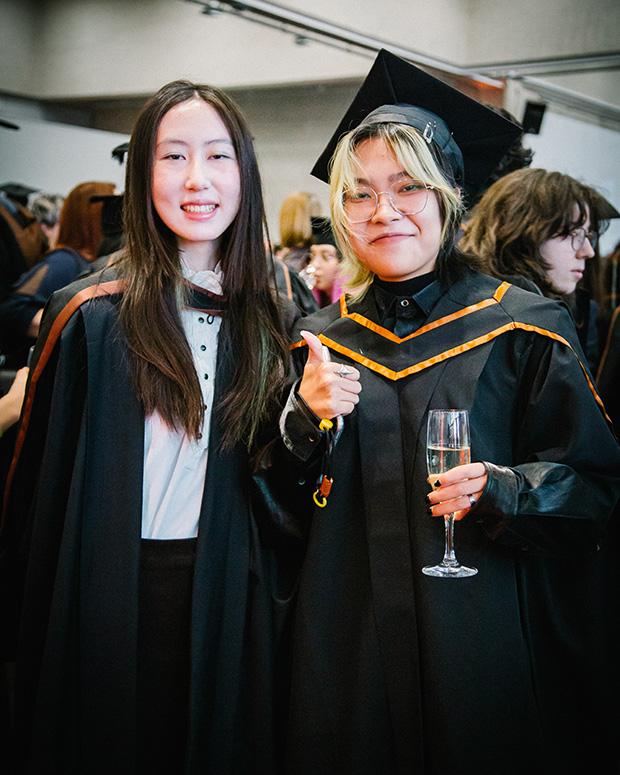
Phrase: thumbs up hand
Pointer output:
(318, 353)
(329, 389)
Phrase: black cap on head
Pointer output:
(606, 211)
(18, 192)
(111, 212)
(322, 233)
(120, 152)
(471, 137)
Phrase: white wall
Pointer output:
(290, 128)
(585, 151)
(56, 157)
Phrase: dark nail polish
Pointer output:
(436, 483)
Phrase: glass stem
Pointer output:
(449, 558)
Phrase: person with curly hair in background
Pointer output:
(541, 227)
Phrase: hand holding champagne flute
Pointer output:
(447, 447)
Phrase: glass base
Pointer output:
(449, 571)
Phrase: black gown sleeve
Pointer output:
(44, 469)
(566, 480)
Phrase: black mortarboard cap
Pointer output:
(111, 212)
(322, 233)
(120, 152)
(18, 192)
(471, 137)
(606, 211)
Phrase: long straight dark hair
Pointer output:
(162, 364)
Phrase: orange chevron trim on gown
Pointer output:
(387, 334)
(393, 375)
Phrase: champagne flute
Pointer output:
(447, 445)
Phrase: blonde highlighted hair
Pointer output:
(418, 161)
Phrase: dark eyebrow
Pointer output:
(175, 141)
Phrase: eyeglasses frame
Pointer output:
(591, 236)
(377, 194)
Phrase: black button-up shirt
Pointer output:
(405, 306)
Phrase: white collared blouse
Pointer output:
(175, 466)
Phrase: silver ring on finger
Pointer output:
(344, 370)
(472, 500)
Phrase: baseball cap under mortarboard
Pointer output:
(471, 137)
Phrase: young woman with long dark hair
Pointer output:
(135, 560)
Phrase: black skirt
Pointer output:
(166, 575)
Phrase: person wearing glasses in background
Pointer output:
(393, 672)
(542, 226)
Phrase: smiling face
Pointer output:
(566, 264)
(196, 185)
(393, 246)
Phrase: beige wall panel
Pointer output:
(94, 48)
(17, 26)
(500, 30)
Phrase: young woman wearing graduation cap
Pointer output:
(130, 545)
(393, 671)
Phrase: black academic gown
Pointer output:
(70, 557)
(394, 672)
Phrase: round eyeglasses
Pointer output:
(579, 236)
(407, 197)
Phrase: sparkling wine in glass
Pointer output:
(447, 445)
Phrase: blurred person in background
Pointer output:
(608, 374)
(610, 281)
(542, 226)
(11, 402)
(46, 208)
(22, 242)
(296, 215)
(325, 263)
(79, 237)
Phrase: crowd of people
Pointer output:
(217, 505)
